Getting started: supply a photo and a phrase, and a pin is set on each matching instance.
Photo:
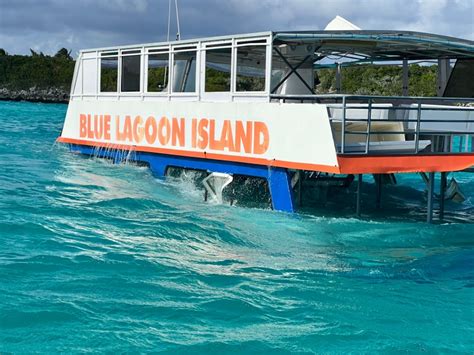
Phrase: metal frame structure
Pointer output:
(399, 104)
(82, 76)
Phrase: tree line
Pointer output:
(21, 72)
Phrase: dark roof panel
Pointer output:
(381, 45)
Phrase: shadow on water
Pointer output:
(406, 201)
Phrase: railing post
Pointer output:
(343, 128)
(417, 134)
(369, 120)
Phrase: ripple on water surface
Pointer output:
(101, 258)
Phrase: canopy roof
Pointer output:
(380, 45)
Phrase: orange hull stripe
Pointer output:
(405, 164)
(204, 155)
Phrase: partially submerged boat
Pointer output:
(245, 106)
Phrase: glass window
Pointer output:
(108, 74)
(158, 72)
(130, 73)
(251, 68)
(218, 62)
(184, 72)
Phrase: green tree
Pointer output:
(63, 53)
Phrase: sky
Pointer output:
(48, 25)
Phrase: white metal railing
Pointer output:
(370, 125)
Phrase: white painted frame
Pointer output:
(173, 47)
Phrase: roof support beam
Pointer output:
(405, 78)
(444, 70)
(338, 78)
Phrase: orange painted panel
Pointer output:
(405, 164)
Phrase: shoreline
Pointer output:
(49, 95)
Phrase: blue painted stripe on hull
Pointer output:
(279, 181)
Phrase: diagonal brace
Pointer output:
(292, 70)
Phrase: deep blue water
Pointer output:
(96, 257)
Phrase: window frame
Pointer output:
(108, 54)
(212, 46)
(128, 53)
(194, 47)
(152, 51)
(257, 42)
(199, 47)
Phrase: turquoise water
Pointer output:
(96, 257)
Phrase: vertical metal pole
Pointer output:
(178, 35)
(359, 191)
(343, 128)
(443, 75)
(439, 78)
(429, 214)
(405, 78)
(442, 190)
(369, 120)
(338, 78)
(417, 133)
(300, 184)
(378, 185)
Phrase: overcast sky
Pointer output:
(48, 25)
